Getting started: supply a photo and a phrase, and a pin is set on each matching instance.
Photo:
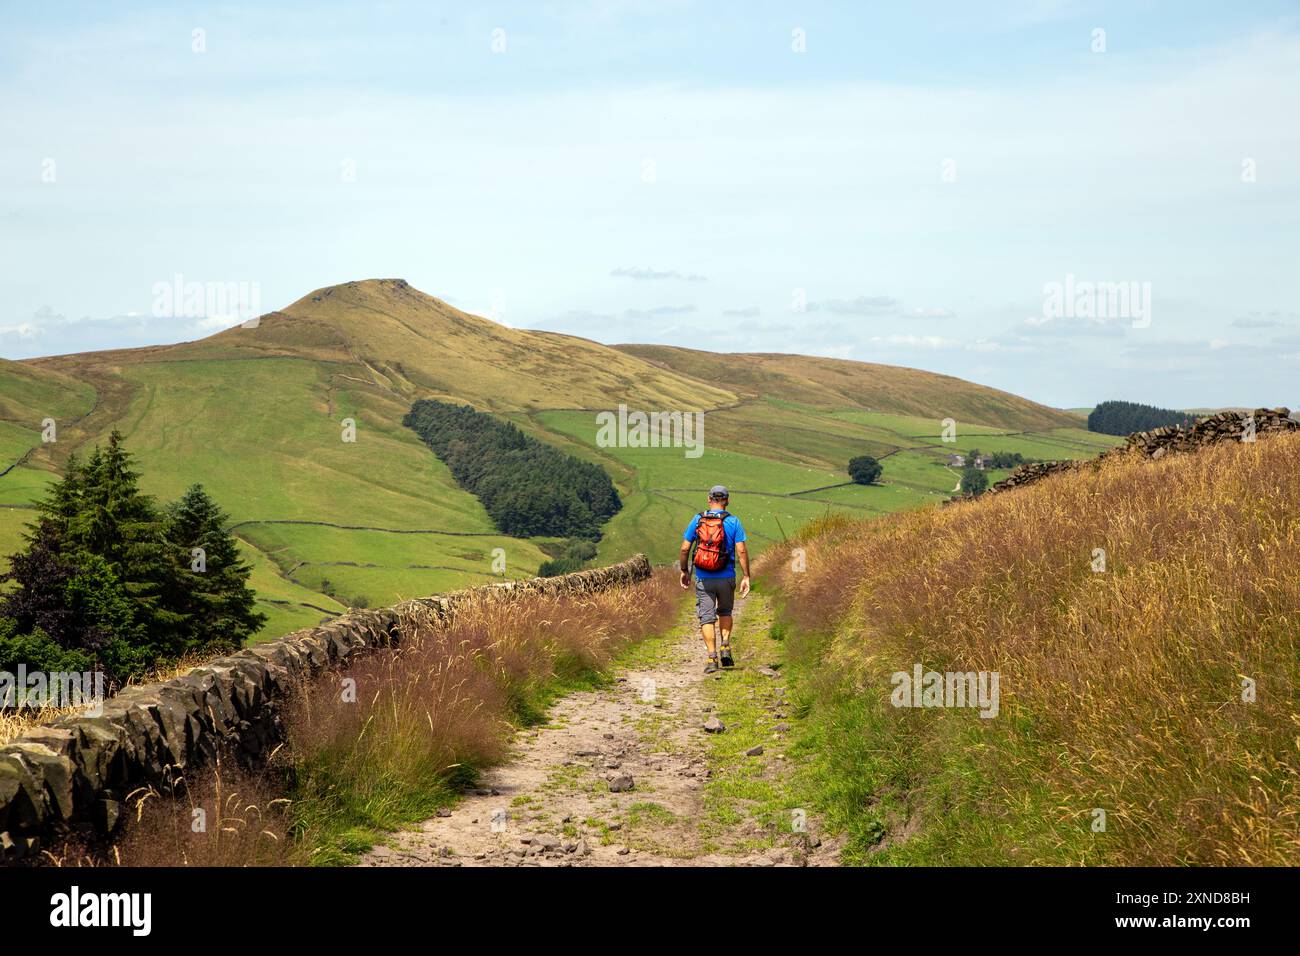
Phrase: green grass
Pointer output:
(288, 606)
(384, 566)
(919, 430)
(284, 458)
(254, 415)
(806, 450)
(762, 790)
(197, 421)
(28, 395)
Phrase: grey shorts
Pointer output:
(714, 596)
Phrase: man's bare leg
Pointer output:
(706, 632)
(724, 641)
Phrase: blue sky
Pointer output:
(903, 190)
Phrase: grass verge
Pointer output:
(1141, 617)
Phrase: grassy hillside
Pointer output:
(255, 414)
(785, 465)
(838, 383)
(1121, 691)
(415, 346)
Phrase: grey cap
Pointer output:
(719, 491)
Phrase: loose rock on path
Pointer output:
(617, 777)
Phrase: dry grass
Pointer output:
(225, 817)
(387, 742)
(1120, 690)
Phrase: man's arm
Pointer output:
(742, 558)
(684, 562)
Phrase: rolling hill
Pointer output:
(255, 415)
(838, 383)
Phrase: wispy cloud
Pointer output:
(865, 305)
(633, 272)
(658, 311)
(49, 332)
(917, 341)
(876, 306)
(1256, 321)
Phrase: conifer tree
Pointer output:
(122, 525)
(107, 576)
(211, 582)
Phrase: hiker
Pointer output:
(718, 539)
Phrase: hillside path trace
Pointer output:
(560, 799)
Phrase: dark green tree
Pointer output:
(864, 469)
(122, 525)
(209, 579)
(1004, 459)
(973, 482)
(528, 487)
(70, 600)
(38, 651)
(557, 566)
(1124, 418)
(106, 577)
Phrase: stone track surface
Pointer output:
(562, 798)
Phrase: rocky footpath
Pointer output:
(1155, 444)
(628, 774)
(74, 773)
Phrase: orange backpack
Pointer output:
(711, 553)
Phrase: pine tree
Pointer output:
(122, 525)
(106, 576)
(210, 588)
(71, 600)
(63, 499)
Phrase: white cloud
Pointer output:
(862, 305)
(633, 272)
(916, 341)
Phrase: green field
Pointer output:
(661, 487)
(256, 417)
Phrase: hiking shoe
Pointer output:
(711, 667)
(725, 652)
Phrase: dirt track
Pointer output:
(558, 801)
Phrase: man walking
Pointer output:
(718, 539)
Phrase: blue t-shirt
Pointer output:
(735, 533)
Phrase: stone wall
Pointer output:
(75, 772)
(1224, 426)
(1155, 444)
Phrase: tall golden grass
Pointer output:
(387, 742)
(1121, 690)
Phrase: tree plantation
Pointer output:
(528, 488)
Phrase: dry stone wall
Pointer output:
(1155, 444)
(75, 772)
